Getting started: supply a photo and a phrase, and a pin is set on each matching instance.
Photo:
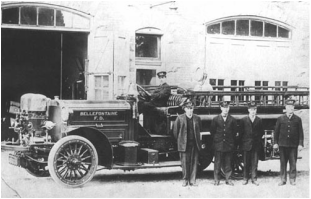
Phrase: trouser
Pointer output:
(288, 154)
(250, 164)
(222, 160)
(189, 162)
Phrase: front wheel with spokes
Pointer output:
(73, 161)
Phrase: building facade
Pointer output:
(94, 50)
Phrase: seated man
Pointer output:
(159, 96)
(154, 120)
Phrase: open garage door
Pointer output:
(45, 62)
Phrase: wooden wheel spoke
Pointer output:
(79, 149)
(81, 166)
(83, 153)
(85, 158)
(75, 149)
(71, 150)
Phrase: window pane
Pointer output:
(98, 94)
(265, 83)
(46, 17)
(105, 95)
(146, 46)
(97, 81)
(277, 83)
(213, 29)
(257, 83)
(256, 28)
(105, 81)
(283, 32)
(10, 16)
(270, 30)
(242, 27)
(212, 81)
(64, 19)
(29, 15)
(228, 28)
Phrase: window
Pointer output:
(243, 97)
(249, 26)
(101, 87)
(29, 15)
(284, 33)
(220, 83)
(146, 77)
(25, 15)
(270, 30)
(237, 83)
(215, 83)
(147, 46)
(242, 27)
(10, 16)
(46, 17)
(257, 83)
(228, 28)
(256, 28)
(121, 85)
(213, 29)
(233, 83)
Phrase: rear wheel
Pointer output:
(206, 156)
(237, 165)
(73, 161)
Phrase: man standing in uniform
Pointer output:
(251, 132)
(288, 137)
(187, 131)
(159, 96)
(224, 132)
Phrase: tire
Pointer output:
(237, 165)
(206, 156)
(73, 161)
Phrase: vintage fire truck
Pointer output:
(70, 140)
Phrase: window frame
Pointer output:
(264, 20)
(101, 88)
(55, 8)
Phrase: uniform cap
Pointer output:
(188, 103)
(252, 105)
(224, 104)
(161, 74)
(290, 102)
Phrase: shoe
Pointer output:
(185, 183)
(282, 183)
(194, 184)
(216, 183)
(293, 183)
(255, 183)
(245, 182)
(229, 183)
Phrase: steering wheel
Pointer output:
(143, 94)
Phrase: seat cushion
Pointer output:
(174, 100)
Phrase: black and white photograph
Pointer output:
(155, 99)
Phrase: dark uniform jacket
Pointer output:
(180, 131)
(160, 95)
(288, 132)
(224, 133)
(251, 133)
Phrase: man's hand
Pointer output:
(300, 148)
(276, 146)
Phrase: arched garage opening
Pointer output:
(43, 50)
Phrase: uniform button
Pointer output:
(224, 129)
(223, 139)
(288, 126)
(224, 134)
(288, 130)
(288, 136)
